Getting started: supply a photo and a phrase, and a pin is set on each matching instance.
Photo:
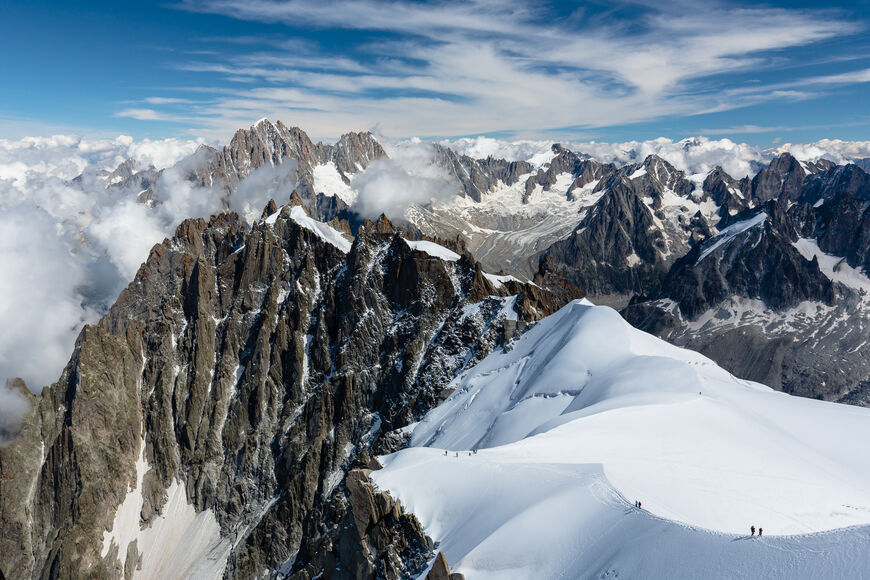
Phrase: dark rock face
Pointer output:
(597, 256)
(267, 144)
(583, 170)
(731, 195)
(650, 215)
(478, 177)
(376, 538)
(255, 368)
(625, 242)
(757, 262)
(835, 213)
(783, 179)
(763, 308)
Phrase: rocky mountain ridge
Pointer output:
(780, 294)
(229, 391)
(620, 233)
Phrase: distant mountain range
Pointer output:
(224, 417)
(774, 301)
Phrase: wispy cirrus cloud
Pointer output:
(453, 68)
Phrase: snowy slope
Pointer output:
(732, 232)
(586, 414)
(328, 181)
(834, 267)
(433, 249)
(178, 543)
(324, 231)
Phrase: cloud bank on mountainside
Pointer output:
(69, 246)
(692, 155)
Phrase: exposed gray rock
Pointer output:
(766, 312)
(760, 262)
(582, 169)
(259, 365)
(440, 570)
(477, 177)
(267, 144)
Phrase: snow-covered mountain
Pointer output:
(205, 427)
(619, 233)
(532, 467)
(781, 290)
(222, 417)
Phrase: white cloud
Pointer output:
(67, 156)
(69, 248)
(142, 114)
(458, 68)
(41, 297)
(265, 183)
(833, 149)
(408, 177)
(161, 153)
(692, 155)
(13, 406)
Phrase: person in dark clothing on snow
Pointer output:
(759, 532)
(752, 529)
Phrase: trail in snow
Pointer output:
(586, 414)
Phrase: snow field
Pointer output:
(587, 414)
(178, 543)
(324, 231)
(433, 249)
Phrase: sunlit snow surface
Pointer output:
(434, 250)
(584, 416)
(328, 181)
(324, 231)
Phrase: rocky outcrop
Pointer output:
(834, 209)
(757, 299)
(583, 170)
(477, 177)
(242, 374)
(614, 248)
(646, 217)
(441, 570)
(731, 195)
(376, 538)
(268, 144)
(783, 178)
(754, 257)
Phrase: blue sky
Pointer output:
(610, 71)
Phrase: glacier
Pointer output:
(532, 466)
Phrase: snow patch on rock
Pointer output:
(328, 181)
(178, 543)
(433, 249)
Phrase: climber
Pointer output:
(759, 532)
(752, 529)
